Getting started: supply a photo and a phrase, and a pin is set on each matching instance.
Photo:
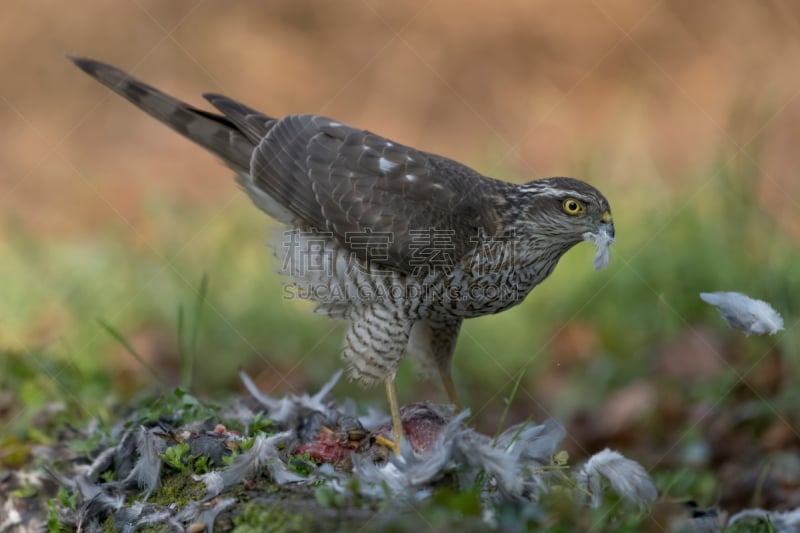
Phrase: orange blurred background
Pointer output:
(658, 88)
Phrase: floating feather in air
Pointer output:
(744, 313)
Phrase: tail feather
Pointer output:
(249, 121)
(231, 138)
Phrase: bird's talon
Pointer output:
(355, 438)
(394, 446)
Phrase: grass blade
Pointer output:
(184, 357)
(511, 397)
(202, 292)
(131, 350)
(188, 356)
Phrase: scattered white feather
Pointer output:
(532, 447)
(326, 389)
(86, 488)
(536, 443)
(267, 401)
(374, 419)
(13, 516)
(205, 512)
(213, 481)
(744, 313)
(516, 466)
(97, 499)
(153, 515)
(147, 469)
(29, 479)
(603, 240)
(410, 474)
(289, 407)
(209, 516)
(264, 453)
(627, 478)
(387, 480)
(101, 463)
(130, 514)
(689, 518)
(479, 454)
(781, 522)
(467, 453)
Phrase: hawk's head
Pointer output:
(563, 210)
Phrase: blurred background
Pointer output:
(684, 113)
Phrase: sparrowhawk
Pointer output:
(401, 243)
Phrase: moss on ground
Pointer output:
(178, 489)
(270, 517)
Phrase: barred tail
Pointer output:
(219, 134)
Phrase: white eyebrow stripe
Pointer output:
(550, 192)
(386, 165)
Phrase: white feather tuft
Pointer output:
(213, 482)
(779, 520)
(744, 313)
(627, 478)
(147, 470)
(291, 407)
(264, 453)
(603, 240)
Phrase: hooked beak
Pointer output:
(608, 224)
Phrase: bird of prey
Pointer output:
(401, 243)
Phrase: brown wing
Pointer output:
(363, 188)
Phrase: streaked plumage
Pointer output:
(333, 183)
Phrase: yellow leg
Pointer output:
(450, 388)
(397, 423)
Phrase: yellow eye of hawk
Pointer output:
(573, 207)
